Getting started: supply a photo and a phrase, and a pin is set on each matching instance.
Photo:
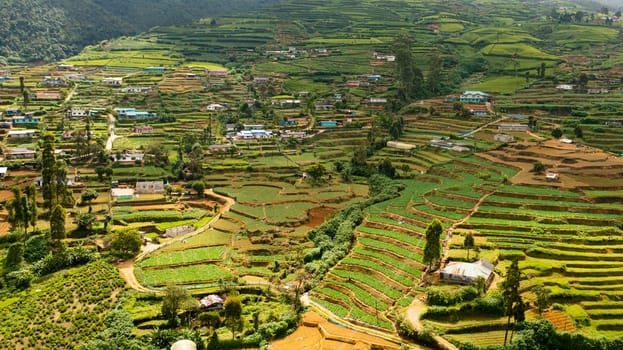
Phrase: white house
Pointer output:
(3, 171)
(565, 87)
(467, 273)
(112, 81)
(215, 107)
(77, 113)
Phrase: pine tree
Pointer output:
(48, 171)
(57, 223)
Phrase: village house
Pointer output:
(29, 118)
(513, 127)
(54, 81)
(479, 112)
(286, 103)
(65, 67)
(614, 123)
(75, 76)
(377, 100)
(564, 87)
(136, 89)
(48, 95)
(253, 126)
(503, 138)
(77, 113)
(216, 72)
(552, 177)
(142, 129)
(261, 80)
(112, 81)
(211, 302)
(154, 69)
(190, 76)
(353, 83)
(474, 97)
(293, 135)
(21, 134)
(323, 107)
(5, 124)
(21, 153)
(254, 134)
(467, 273)
(133, 113)
(128, 158)
(13, 111)
(215, 107)
(328, 124)
(224, 148)
(149, 187)
(3, 172)
(70, 180)
(596, 91)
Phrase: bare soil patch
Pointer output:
(318, 333)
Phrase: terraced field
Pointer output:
(386, 262)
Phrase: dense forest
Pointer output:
(40, 30)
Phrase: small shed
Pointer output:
(466, 273)
(3, 171)
(150, 186)
(211, 302)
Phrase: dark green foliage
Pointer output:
(538, 168)
(468, 243)
(88, 195)
(441, 297)
(557, 133)
(117, 335)
(126, 244)
(62, 28)
(14, 256)
(37, 247)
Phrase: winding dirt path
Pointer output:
(414, 312)
(126, 268)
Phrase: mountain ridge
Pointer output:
(40, 30)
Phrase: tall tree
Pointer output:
(468, 243)
(16, 216)
(410, 79)
(31, 193)
(174, 300)
(510, 290)
(48, 171)
(432, 248)
(126, 243)
(233, 314)
(25, 99)
(57, 223)
(21, 85)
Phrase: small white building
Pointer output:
(77, 113)
(215, 107)
(467, 273)
(112, 81)
(3, 171)
(564, 87)
(553, 177)
(513, 127)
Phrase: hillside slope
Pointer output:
(40, 30)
